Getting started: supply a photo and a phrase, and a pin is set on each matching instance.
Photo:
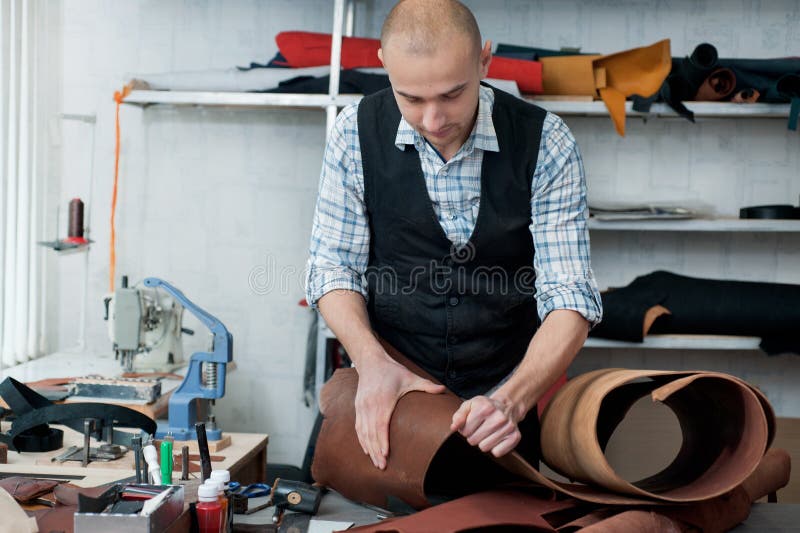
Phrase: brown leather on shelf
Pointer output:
(3, 453)
(727, 426)
(717, 86)
(651, 315)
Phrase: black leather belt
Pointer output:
(33, 412)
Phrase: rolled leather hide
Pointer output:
(727, 427)
(500, 509)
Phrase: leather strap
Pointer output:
(30, 433)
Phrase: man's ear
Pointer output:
(380, 56)
(485, 59)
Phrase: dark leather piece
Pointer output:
(705, 307)
(24, 489)
(727, 426)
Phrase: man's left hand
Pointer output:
(487, 423)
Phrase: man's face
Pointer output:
(438, 93)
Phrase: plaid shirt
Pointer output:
(339, 252)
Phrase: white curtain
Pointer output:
(20, 188)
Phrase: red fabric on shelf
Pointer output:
(308, 49)
(527, 74)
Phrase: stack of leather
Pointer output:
(724, 463)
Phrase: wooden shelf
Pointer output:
(708, 225)
(680, 342)
(560, 107)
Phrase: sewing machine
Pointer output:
(145, 325)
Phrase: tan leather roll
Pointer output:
(727, 427)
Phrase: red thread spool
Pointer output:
(75, 227)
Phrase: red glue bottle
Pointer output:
(209, 511)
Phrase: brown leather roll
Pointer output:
(426, 460)
(727, 428)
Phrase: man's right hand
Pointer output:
(381, 383)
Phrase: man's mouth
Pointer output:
(442, 132)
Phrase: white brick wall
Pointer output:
(210, 196)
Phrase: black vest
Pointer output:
(464, 315)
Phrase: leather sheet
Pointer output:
(727, 428)
(496, 510)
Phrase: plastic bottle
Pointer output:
(225, 477)
(210, 518)
(222, 498)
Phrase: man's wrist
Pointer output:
(514, 408)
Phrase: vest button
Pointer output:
(452, 374)
(453, 339)
(453, 301)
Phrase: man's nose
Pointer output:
(433, 118)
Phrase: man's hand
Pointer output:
(488, 423)
(380, 385)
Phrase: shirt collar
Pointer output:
(483, 135)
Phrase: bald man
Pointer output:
(451, 222)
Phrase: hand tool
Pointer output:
(166, 462)
(202, 446)
(184, 463)
(136, 442)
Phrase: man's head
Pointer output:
(433, 54)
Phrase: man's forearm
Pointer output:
(345, 312)
(549, 354)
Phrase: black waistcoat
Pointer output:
(464, 315)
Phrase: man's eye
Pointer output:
(412, 100)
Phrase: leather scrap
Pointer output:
(25, 489)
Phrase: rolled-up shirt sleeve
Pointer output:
(559, 212)
(339, 249)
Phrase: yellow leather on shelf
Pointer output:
(638, 71)
(614, 77)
